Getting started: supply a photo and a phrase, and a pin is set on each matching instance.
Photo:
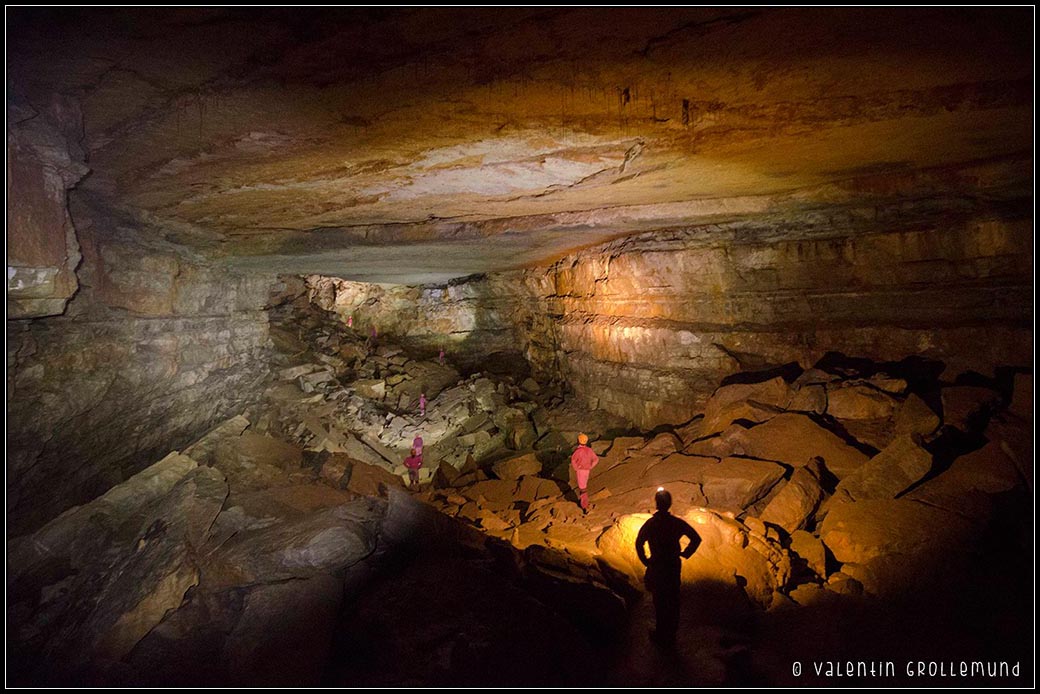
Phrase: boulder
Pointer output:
(334, 469)
(861, 531)
(859, 402)
(517, 466)
(987, 471)
(373, 480)
(531, 489)
(734, 484)
(359, 451)
(730, 553)
(492, 494)
(1015, 437)
(888, 384)
(814, 376)
(915, 417)
(811, 549)
(729, 442)
(966, 407)
(809, 398)
(154, 572)
(796, 502)
(620, 446)
(325, 541)
(662, 445)
(890, 472)
(775, 392)
(204, 450)
(310, 382)
(795, 439)
(843, 584)
(373, 389)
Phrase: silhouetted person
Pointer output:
(664, 566)
(583, 460)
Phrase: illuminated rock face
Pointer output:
(647, 327)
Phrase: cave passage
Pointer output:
(350, 347)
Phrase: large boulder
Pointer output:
(730, 553)
(326, 541)
(859, 402)
(915, 417)
(810, 548)
(758, 399)
(370, 388)
(890, 472)
(795, 439)
(731, 484)
(862, 531)
(964, 486)
(796, 502)
(517, 466)
(493, 494)
(809, 398)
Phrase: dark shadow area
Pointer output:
(976, 606)
(920, 373)
(789, 372)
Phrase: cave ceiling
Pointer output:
(407, 145)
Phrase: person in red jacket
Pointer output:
(583, 460)
(413, 463)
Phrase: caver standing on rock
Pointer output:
(583, 460)
(664, 566)
(413, 462)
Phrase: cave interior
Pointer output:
(777, 261)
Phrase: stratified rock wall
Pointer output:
(156, 347)
(646, 327)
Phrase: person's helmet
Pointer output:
(663, 499)
(583, 439)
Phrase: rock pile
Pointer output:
(340, 392)
(833, 482)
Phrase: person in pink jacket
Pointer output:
(413, 463)
(583, 460)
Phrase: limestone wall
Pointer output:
(647, 326)
(156, 347)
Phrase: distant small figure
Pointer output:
(583, 460)
(422, 404)
(375, 333)
(664, 568)
(440, 358)
(413, 463)
(350, 321)
(417, 444)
